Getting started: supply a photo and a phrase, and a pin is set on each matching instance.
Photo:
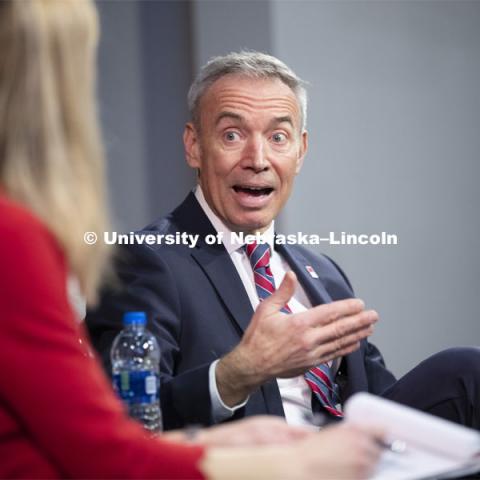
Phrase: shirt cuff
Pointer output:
(220, 411)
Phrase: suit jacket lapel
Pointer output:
(214, 261)
(313, 287)
(223, 275)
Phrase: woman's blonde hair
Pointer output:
(51, 157)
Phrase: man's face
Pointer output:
(248, 149)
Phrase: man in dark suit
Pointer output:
(225, 354)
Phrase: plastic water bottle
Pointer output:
(135, 357)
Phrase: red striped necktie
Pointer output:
(318, 378)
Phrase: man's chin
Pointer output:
(251, 226)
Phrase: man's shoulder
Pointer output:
(174, 231)
(169, 238)
(162, 225)
(176, 219)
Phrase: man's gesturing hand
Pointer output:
(285, 345)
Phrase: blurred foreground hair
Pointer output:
(51, 157)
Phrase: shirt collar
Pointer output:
(220, 227)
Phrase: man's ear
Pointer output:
(192, 145)
(303, 151)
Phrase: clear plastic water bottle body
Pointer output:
(135, 358)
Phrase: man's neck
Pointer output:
(226, 231)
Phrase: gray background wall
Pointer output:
(394, 123)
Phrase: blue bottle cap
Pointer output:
(134, 318)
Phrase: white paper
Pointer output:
(434, 446)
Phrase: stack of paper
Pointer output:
(431, 447)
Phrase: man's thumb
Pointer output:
(282, 295)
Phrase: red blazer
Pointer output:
(59, 416)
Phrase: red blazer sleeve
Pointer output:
(58, 394)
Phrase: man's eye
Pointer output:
(232, 136)
(279, 137)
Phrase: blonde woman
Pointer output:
(58, 414)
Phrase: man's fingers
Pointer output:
(331, 312)
(334, 341)
(340, 346)
(328, 352)
(281, 296)
(344, 327)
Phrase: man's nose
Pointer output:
(255, 155)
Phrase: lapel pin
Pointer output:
(311, 271)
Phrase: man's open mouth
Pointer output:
(254, 191)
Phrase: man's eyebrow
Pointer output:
(235, 116)
(226, 114)
(286, 118)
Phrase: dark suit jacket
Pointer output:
(198, 309)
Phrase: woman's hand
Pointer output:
(339, 452)
(259, 430)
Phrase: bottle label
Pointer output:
(137, 386)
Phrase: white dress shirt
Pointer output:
(295, 392)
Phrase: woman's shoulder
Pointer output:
(30, 256)
(24, 238)
(18, 223)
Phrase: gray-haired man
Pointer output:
(224, 353)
